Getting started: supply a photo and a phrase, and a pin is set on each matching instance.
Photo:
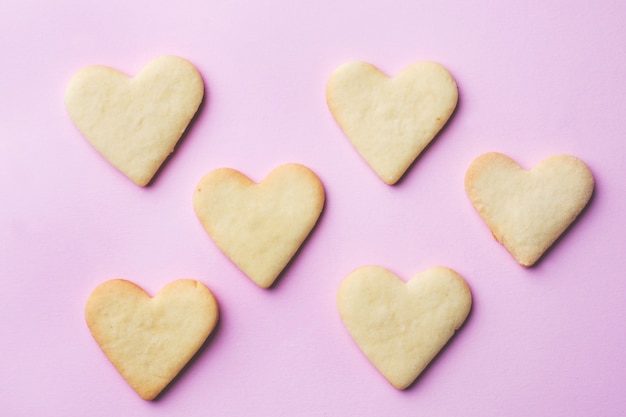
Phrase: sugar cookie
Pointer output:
(135, 123)
(260, 226)
(528, 210)
(402, 326)
(149, 340)
(391, 120)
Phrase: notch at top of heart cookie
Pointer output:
(390, 121)
(135, 123)
(527, 210)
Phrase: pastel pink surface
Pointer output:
(535, 78)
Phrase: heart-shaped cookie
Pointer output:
(402, 326)
(528, 210)
(259, 226)
(149, 340)
(391, 120)
(135, 123)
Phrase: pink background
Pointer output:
(536, 78)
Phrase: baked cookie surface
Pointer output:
(400, 327)
(260, 227)
(390, 121)
(150, 340)
(527, 210)
(135, 123)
